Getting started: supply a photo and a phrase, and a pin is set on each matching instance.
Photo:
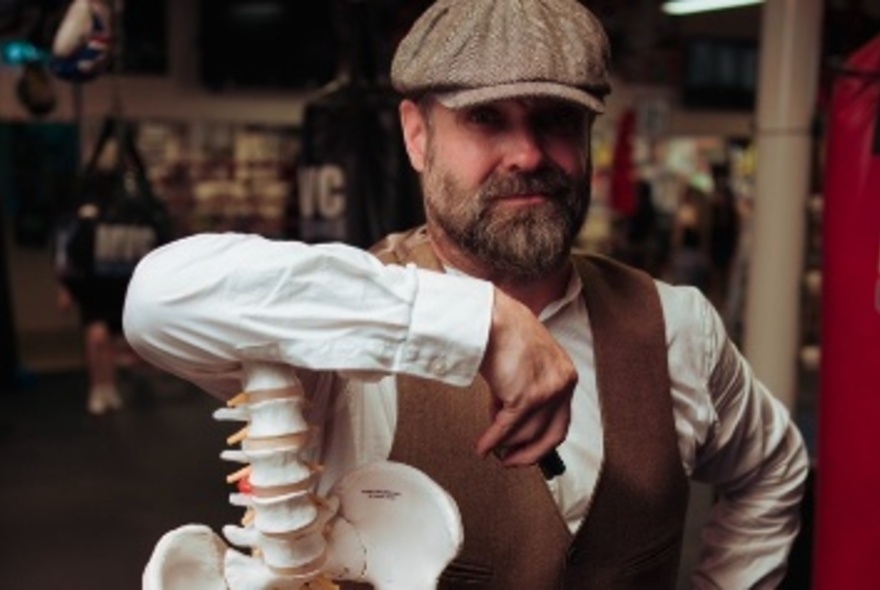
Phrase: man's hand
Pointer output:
(532, 380)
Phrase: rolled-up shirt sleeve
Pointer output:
(202, 305)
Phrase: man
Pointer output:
(633, 382)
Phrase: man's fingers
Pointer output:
(522, 441)
(495, 436)
(533, 451)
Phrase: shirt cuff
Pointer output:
(449, 328)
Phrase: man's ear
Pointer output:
(415, 133)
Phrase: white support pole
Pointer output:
(788, 74)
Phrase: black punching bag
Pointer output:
(355, 183)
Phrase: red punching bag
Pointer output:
(848, 470)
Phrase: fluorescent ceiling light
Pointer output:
(677, 7)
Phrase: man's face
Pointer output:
(508, 182)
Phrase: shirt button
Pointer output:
(438, 367)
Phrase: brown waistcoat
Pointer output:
(515, 537)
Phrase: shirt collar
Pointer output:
(572, 292)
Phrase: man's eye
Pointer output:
(484, 116)
(562, 122)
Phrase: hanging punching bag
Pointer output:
(848, 470)
(355, 183)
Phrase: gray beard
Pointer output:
(519, 245)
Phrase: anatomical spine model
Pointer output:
(385, 523)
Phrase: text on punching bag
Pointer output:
(119, 247)
(322, 203)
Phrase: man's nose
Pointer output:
(524, 150)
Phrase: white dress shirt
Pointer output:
(201, 306)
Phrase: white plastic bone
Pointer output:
(242, 571)
(188, 558)
(230, 414)
(410, 527)
(270, 468)
(277, 417)
(282, 553)
(284, 514)
(385, 523)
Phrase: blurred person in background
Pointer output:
(642, 248)
(689, 257)
(724, 234)
(97, 297)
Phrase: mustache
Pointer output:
(550, 182)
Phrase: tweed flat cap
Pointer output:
(474, 51)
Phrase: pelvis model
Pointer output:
(384, 524)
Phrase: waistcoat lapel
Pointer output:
(632, 535)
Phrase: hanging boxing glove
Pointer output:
(82, 45)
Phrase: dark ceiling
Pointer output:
(648, 45)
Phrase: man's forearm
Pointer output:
(199, 306)
(748, 538)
